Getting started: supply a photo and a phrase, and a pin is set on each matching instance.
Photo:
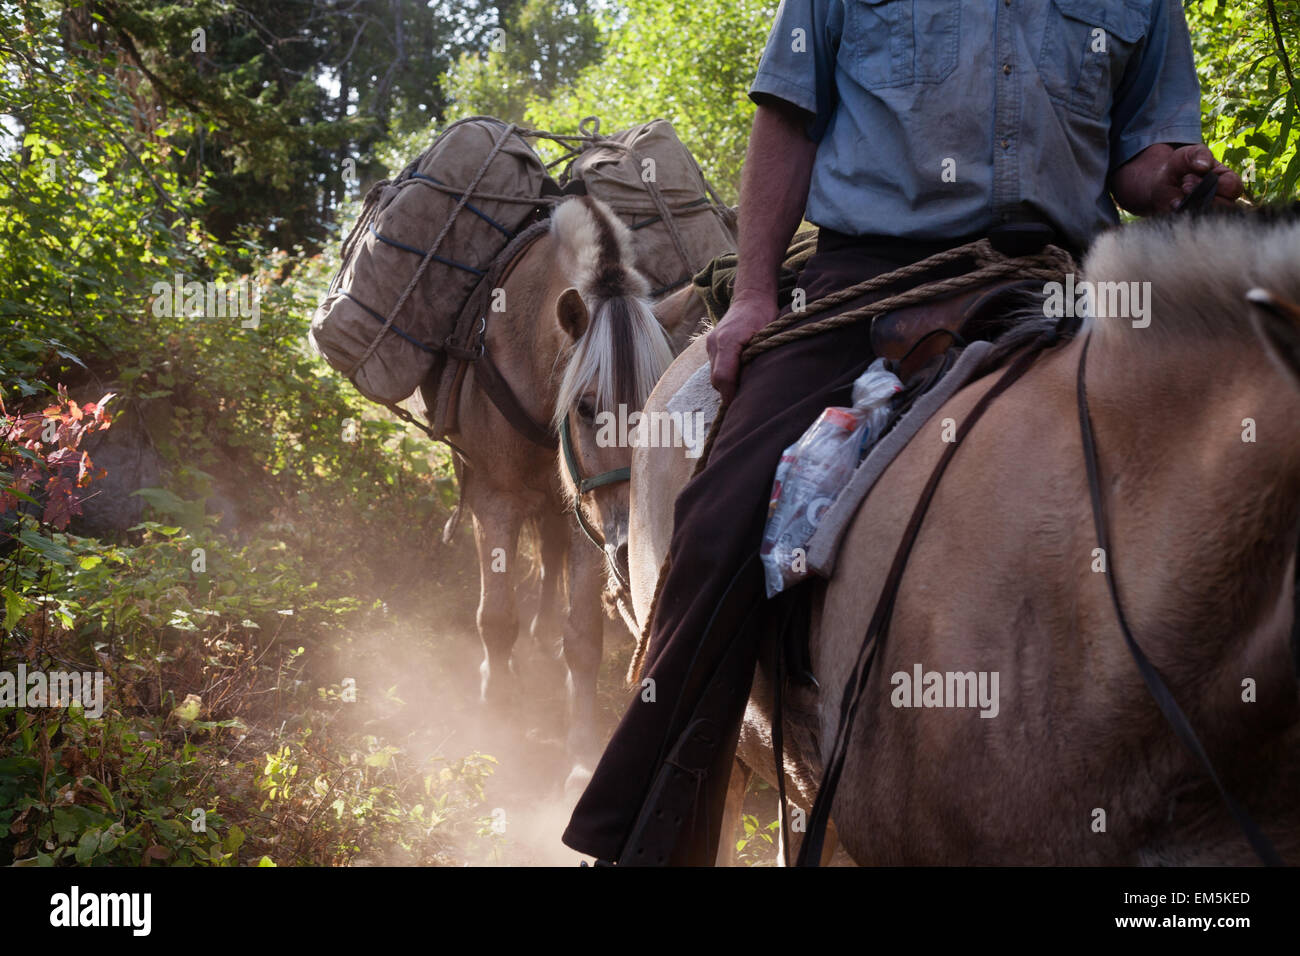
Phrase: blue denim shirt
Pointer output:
(937, 119)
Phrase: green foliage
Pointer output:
(206, 627)
(343, 804)
(124, 787)
(758, 846)
(130, 790)
(104, 792)
(540, 48)
(1249, 103)
(255, 106)
(688, 62)
(88, 209)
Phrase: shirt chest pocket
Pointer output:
(900, 42)
(1087, 45)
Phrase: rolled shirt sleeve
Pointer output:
(1159, 98)
(798, 63)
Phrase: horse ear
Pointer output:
(1279, 321)
(572, 313)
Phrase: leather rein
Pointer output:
(878, 629)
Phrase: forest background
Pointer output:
(280, 525)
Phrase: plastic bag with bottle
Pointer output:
(814, 469)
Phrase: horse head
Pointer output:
(616, 352)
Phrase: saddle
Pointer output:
(914, 336)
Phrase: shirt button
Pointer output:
(1006, 68)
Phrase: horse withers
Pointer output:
(1195, 409)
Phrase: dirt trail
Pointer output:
(435, 676)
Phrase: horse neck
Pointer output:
(1203, 520)
(529, 340)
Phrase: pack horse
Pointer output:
(514, 310)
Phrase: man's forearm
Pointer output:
(1131, 184)
(773, 194)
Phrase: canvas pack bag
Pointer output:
(652, 182)
(421, 244)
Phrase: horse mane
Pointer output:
(1200, 268)
(624, 350)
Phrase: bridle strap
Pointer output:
(1156, 685)
(811, 850)
(586, 485)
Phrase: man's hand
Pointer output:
(773, 193)
(1160, 177)
(748, 313)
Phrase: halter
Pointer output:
(586, 485)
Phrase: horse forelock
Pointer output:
(1199, 268)
(596, 251)
(624, 349)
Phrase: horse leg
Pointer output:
(496, 533)
(583, 643)
(552, 530)
(733, 812)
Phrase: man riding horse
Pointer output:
(901, 128)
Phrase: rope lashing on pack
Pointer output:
(574, 145)
(432, 250)
(469, 199)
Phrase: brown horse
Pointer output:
(577, 328)
(1197, 421)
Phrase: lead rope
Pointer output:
(1050, 263)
